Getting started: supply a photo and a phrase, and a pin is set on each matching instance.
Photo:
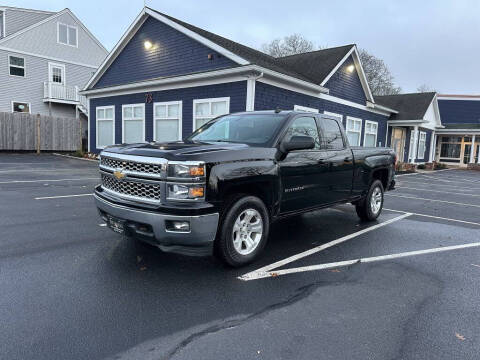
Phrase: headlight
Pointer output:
(186, 170)
(185, 192)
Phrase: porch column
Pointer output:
(472, 150)
(414, 137)
(433, 148)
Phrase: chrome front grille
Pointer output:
(131, 166)
(131, 189)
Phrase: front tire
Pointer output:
(243, 231)
(370, 208)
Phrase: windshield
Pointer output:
(253, 129)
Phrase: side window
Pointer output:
(304, 126)
(331, 135)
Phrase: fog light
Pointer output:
(180, 226)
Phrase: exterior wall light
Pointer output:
(148, 45)
(350, 68)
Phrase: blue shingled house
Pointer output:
(165, 78)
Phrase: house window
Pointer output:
(56, 73)
(16, 66)
(105, 126)
(422, 140)
(370, 137)
(167, 121)
(67, 34)
(133, 123)
(205, 110)
(354, 130)
(305, 109)
(20, 107)
(338, 116)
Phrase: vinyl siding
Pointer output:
(268, 97)
(346, 85)
(459, 111)
(173, 53)
(30, 88)
(42, 40)
(17, 20)
(237, 91)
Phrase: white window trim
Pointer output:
(64, 74)
(370, 133)
(359, 132)
(96, 124)
(123, 120)
(210, 100)
(180, 118)
(305, 109)
(24, 67)
(424, 134)
(21, 102)
(68, 34)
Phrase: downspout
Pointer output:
(251, 81)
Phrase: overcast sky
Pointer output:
(422, 42)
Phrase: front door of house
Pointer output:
(398, 141)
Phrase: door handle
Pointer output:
(347, 159)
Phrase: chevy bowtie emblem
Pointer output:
(119, 174)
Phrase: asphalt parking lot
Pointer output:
(327, 287)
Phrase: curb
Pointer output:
(74, 157)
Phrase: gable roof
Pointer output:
(251, 55)
(316, 65)
(49, 18)
(314, 68)
(409, 106)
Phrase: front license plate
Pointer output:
(116, 225)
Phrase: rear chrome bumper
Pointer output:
(197, 241)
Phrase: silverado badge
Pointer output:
(119, 174)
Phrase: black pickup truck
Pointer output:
(218, 191)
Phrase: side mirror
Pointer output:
(297, 143)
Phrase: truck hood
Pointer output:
(195, 151)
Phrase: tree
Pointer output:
(378, 75)
(289, 45)
(424, 88)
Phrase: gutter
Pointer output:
(236, 71)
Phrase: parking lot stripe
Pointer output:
(319, 248)
(438, 185)
(417, 173)
(47, 180)
(265, 274)
(435, 217)
(61, 196)
(450, 181)
(438, 191)
(435, 200)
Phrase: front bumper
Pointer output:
(150, 226)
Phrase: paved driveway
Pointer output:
(328, 286)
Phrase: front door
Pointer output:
(304, 174)
(398, 142)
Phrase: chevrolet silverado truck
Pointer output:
(219, 190)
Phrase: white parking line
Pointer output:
(266, 269)
(33, 170)
(425, 199)
(421, 173)
(45, 181)
(61, 196)
(450, 181)
(434, 217)
(438, 191)
(438, 185)
(260, 275)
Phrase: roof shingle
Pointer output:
(409, 106)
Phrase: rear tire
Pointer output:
(370, 208)
(243, 231)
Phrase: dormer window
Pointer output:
(67, 34)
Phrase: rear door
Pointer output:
(303, 173)
(338, 158)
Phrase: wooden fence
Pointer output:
(19, 131)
